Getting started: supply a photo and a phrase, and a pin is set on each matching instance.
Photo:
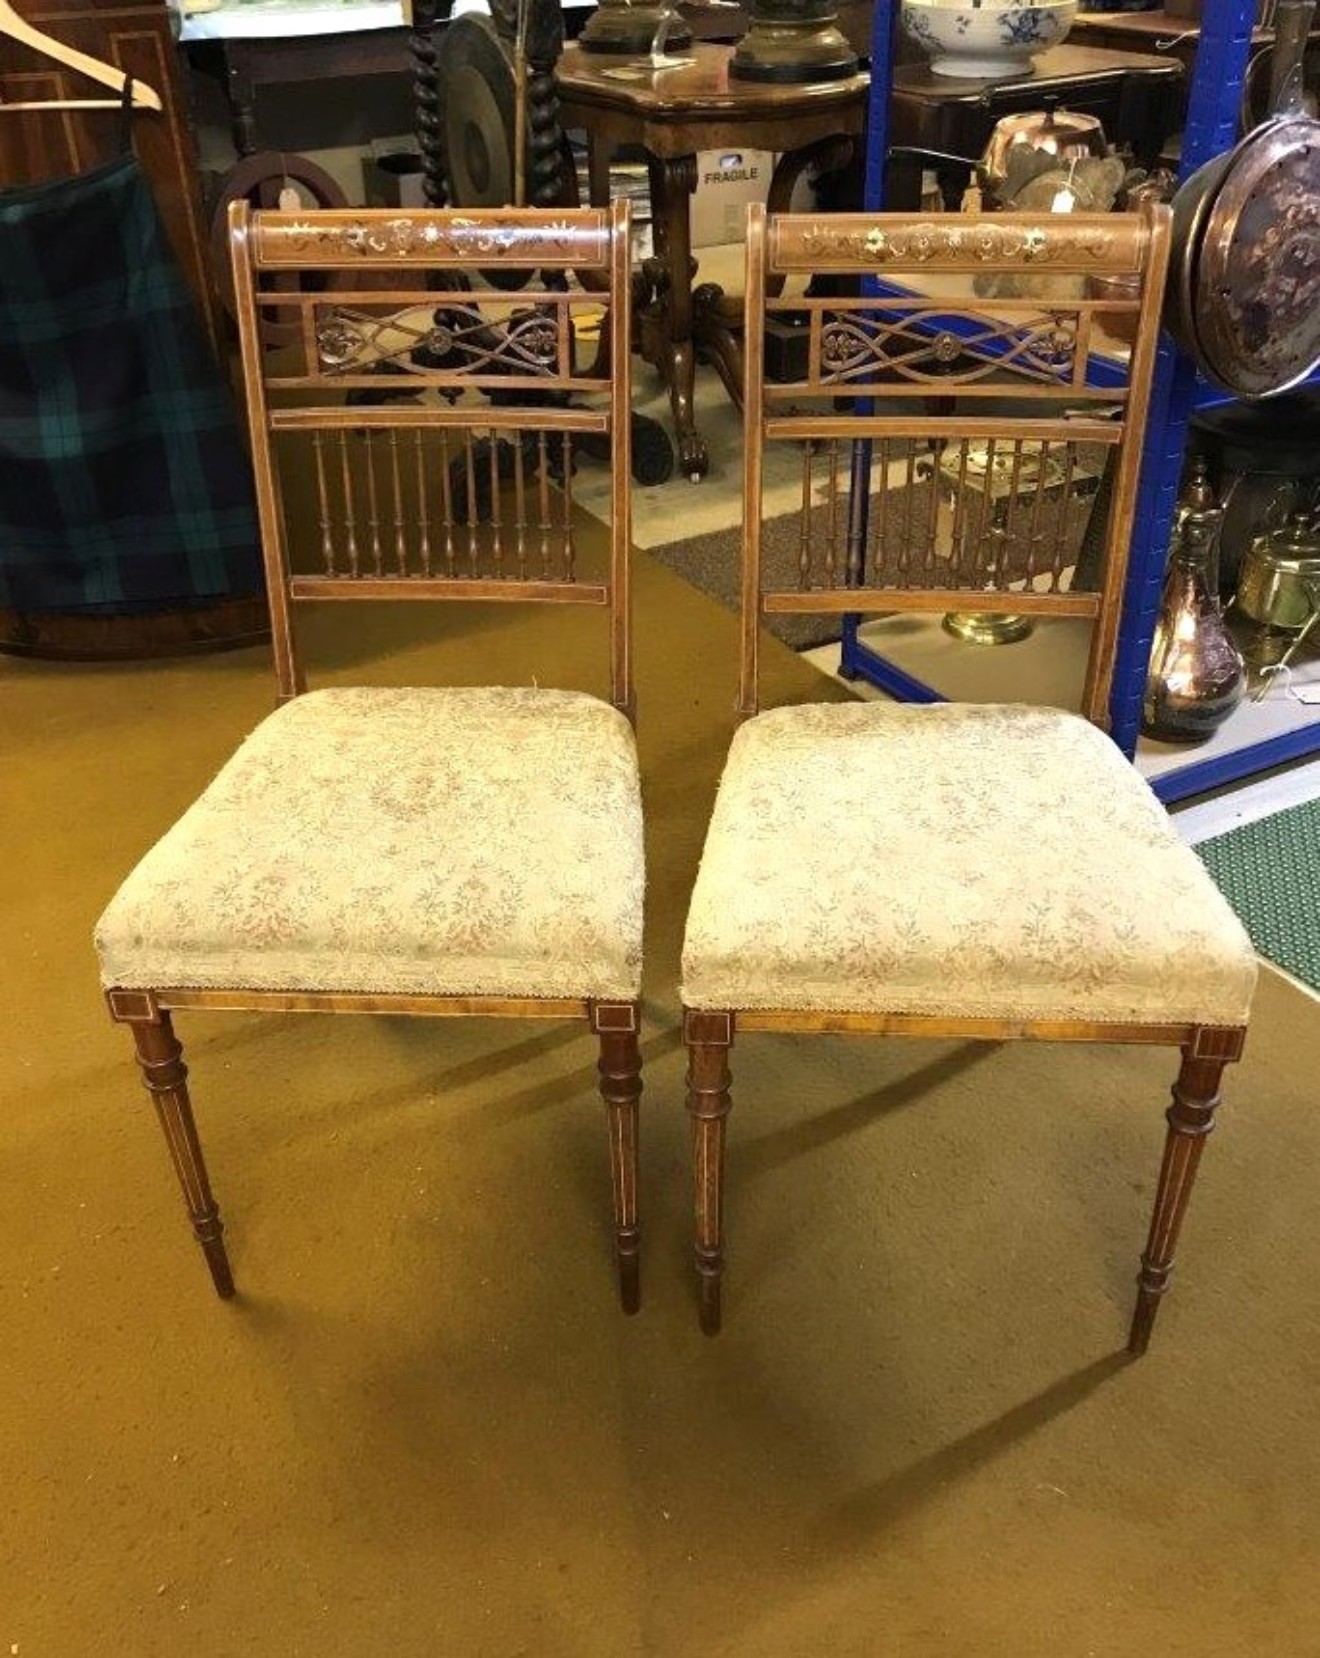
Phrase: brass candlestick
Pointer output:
(999, 482)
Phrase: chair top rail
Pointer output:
(1038, 243)
(361, 238)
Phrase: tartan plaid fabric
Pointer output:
(123, 484)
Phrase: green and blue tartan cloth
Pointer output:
(123, 483)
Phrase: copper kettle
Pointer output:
(1053, 133)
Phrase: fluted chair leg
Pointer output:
(160, 1057)
(620, 1068)
(708, 1037)
(1190, 1118)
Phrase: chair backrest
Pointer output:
(426, 410)
(954, 391)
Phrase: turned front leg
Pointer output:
(708, 1037)
(160, 1057)
(620, 1068)
(1190, 1118)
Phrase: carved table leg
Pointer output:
(717, 328)
(600, 153)
(166, 1076)
(709, 1037)
(672, 184)
(1190, 1119)
(620, 1068)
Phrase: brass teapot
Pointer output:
(1279, 584)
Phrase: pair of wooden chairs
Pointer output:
(951, 870)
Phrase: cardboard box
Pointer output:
(726, 181)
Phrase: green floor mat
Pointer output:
(1270, 873)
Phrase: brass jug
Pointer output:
(1196, 676)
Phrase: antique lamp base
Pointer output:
(615, 26)
(793, 41)
(979, 628)
(793, 52)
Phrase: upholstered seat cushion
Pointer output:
(467, 842)
(982, 862)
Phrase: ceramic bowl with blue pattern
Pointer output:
(990, 40)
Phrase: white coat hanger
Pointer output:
(17, 28)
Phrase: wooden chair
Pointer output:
(434, 852)
(987, 872)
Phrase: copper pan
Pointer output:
(1191, 209)
(1249, 280)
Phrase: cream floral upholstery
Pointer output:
(510, 822)
(983, 862)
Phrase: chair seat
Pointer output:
(435, 841)
(965, 861)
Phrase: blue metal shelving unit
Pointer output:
(1214, 96)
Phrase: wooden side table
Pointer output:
(1136, 96)
(1153, 31)
(1179, 37)
(242, 63)
(671, 114)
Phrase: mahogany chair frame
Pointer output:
(919, 354)
(400, 252)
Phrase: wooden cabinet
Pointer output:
(139, 39)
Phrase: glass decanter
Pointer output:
(1196, 676)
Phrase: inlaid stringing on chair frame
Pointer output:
(917, 349)
(399, 489)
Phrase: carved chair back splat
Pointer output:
(433, 851)
(950, 871)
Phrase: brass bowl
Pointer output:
(1126, 285)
